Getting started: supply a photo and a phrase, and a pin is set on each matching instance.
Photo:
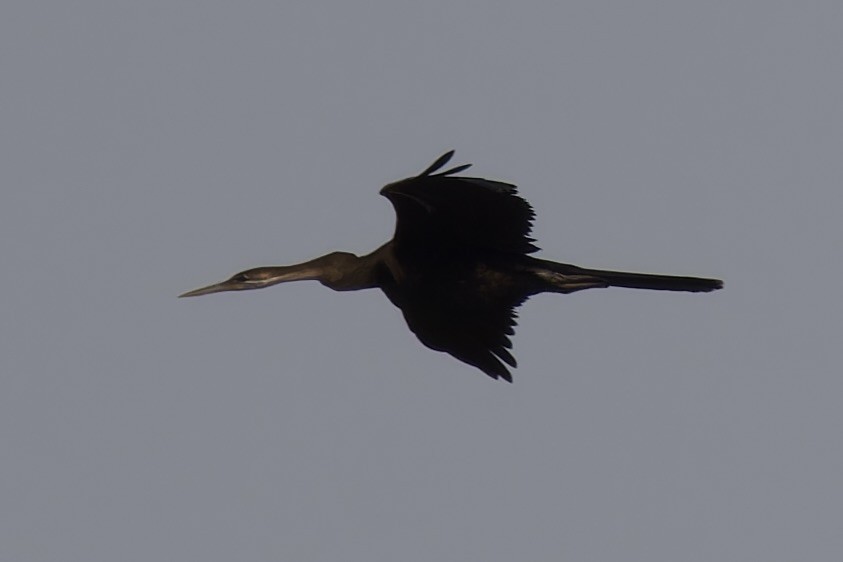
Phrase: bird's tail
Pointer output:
(639, 280)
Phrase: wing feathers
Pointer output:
(441, 161)
(444, 221)
(457, 212)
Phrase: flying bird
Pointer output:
(458, 266)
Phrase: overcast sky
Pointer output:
(149, 148)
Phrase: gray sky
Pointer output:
(152, 147)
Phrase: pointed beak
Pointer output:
(258, 278)
(215, 288)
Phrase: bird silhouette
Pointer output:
(458, 266)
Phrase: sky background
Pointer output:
(153, 147)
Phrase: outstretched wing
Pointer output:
(477, 337)
(441, 209)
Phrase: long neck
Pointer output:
(340, 271)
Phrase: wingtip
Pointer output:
(499, 372)
(441, 161)
(454, 170)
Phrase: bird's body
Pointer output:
(457, 267)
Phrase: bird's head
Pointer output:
(337, 270)
(256, 278)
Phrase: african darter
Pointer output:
(458, 266)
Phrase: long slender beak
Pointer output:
(215, 288)
(258, 278)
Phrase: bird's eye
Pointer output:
(241, 278)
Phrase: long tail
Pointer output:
(638, 280)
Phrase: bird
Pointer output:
(458, 266)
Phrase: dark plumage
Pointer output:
(457, 267)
